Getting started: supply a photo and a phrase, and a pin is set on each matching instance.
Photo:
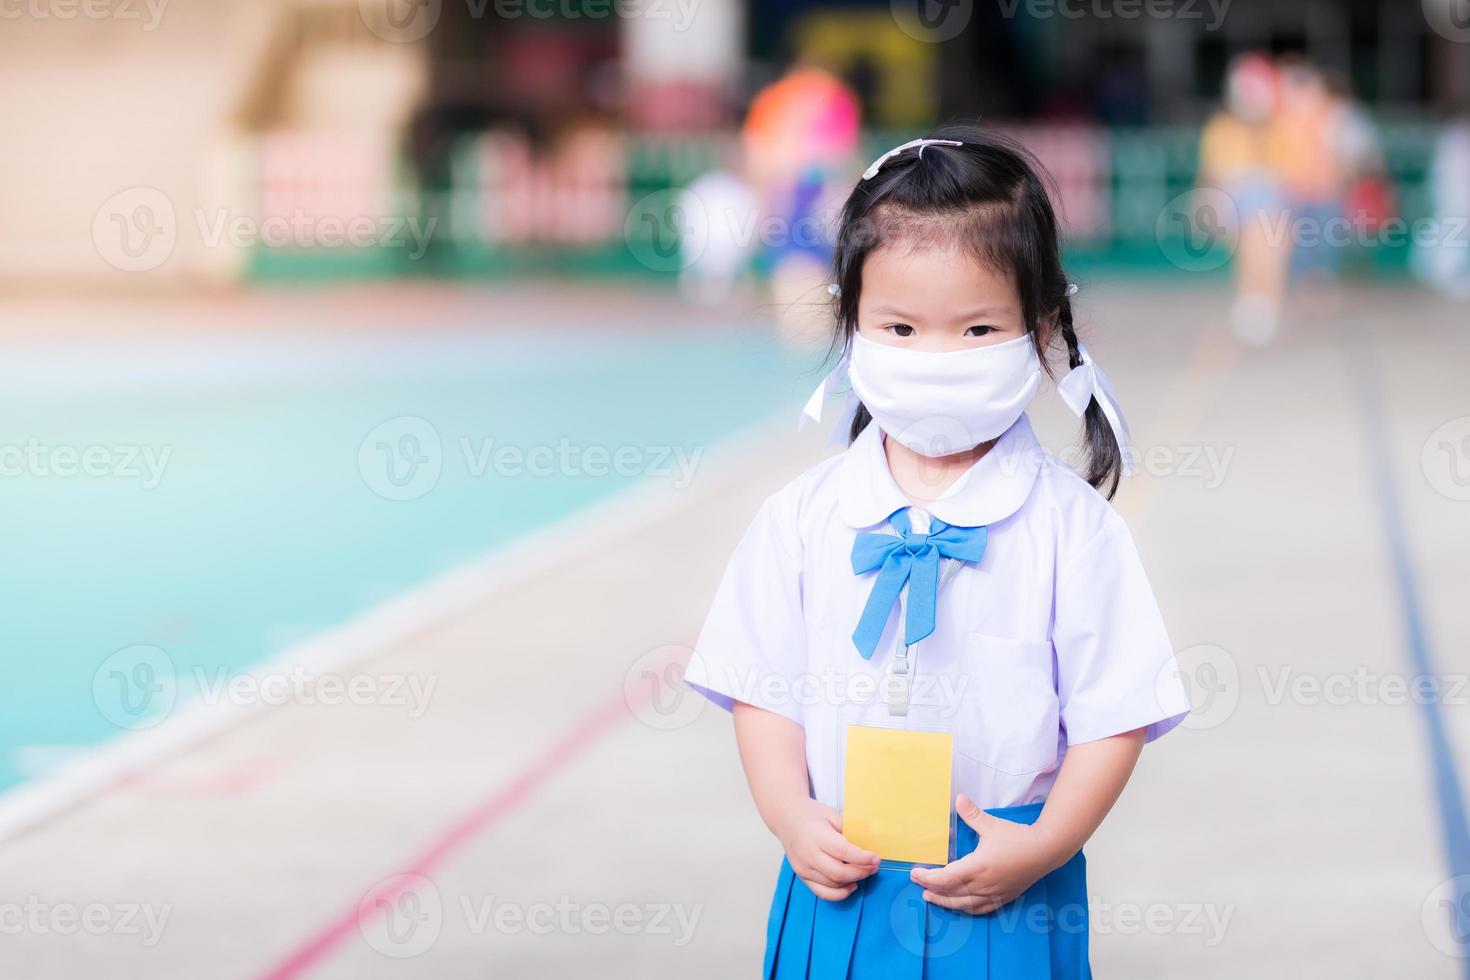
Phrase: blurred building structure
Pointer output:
(525, 130)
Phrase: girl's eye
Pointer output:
(979, 331)
(901, 330)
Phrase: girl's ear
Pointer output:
(1046, 330)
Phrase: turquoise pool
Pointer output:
(221, 498)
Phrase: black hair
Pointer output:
(991, 197)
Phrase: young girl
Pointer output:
(945, 573)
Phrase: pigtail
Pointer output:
(1104, 456)
(856, 237)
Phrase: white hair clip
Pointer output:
(833, 289)
(1071, 289)
(872, 171)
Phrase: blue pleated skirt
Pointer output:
(885, 930)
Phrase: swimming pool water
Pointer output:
(221, 498)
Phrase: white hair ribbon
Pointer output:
(1085, 382)
(872, 171)
(828, 385)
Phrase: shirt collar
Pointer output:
(990, 491)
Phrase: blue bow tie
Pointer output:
(912, 558)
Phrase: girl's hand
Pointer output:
(1010, 858)
(821, 857)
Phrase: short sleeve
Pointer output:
(1115, 665)
(753, 645)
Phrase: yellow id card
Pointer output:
(896, 793)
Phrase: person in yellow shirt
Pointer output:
(1236, 157)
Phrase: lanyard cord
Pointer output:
(902, 667)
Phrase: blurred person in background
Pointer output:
(1235, 157)
(1368, 193)
(1442, 259)
(1306, 139)
(721, 223)
(800, 138)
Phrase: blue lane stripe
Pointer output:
(1448, 792)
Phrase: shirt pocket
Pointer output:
(1009, 717)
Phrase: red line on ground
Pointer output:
(581, 737)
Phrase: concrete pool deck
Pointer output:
(555, 805)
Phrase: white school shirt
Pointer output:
(1053, 638)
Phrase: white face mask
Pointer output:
(938, 404)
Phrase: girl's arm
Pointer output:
(1091, 779)
(773, 752)
(1012, 856)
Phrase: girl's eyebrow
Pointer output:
(891, 311)
(974, 314)
(984, 311)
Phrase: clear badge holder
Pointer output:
(896, 775)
